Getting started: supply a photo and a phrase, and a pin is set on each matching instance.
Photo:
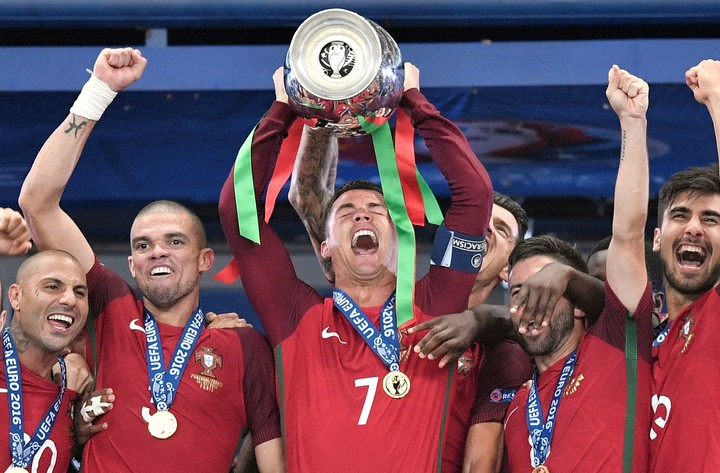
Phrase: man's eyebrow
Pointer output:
(176, 235)
(51, 279)
(347, 205)
(710, 213)
(138, 239)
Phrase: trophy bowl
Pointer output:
(341, 66)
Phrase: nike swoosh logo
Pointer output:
(507, 417)
(327, 334)
(134, 325)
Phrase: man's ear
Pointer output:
(505, 273)
(656, 240)
(324, 250)
(206, 259)
(131, 266)
(658, 301)
(14, 294)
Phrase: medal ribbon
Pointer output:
(164, 383)
(541, 433)
(383, 342)
(22, 454)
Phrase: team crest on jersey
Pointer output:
(209, 361)
(686, 332)
(573, 384)
(465, 363)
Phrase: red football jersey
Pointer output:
(590, 420)
(38, 395)
(686, 400)
(227, 384)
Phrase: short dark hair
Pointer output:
(172, 207)
(602, 245)
(696, 180)
(357, 184)
(551, 246)
(516, 210)
(653, 262)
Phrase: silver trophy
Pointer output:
(341, 66)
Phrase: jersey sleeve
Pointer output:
(470, 200)
(610, 326)
(104, 287)
(266, 270)
(504, 368)
(259, 386)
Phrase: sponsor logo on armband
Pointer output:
(467, 245)
(502, 395)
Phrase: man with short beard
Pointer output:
(685, 402)
(573, 416)
(176, 385)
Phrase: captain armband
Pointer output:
(457, 250)
(94, 98)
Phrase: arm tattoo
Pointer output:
(622, 145)
(74, 126)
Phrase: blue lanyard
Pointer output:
(541, 433)
(164, 383)
(384, 341)
(23, 453)
(662, 336)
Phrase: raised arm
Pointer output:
(471, 191)
(266, 269)
(14, 241)
(14, 233)
(446, 287)
(626, 271)
(704, 81)
(313, 184)
(51, 227)
(449, 336)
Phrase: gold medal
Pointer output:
(541, 469)
(396, 384)
(162, 424)
(16, 469)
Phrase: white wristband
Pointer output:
(94, 98)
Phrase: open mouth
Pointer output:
(691, 256)
(364, 241)
(60, 321)
(160, 271)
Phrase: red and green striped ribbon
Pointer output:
(245, 188)
(392, 189)
(419, 199)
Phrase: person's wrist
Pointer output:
(93, 100)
